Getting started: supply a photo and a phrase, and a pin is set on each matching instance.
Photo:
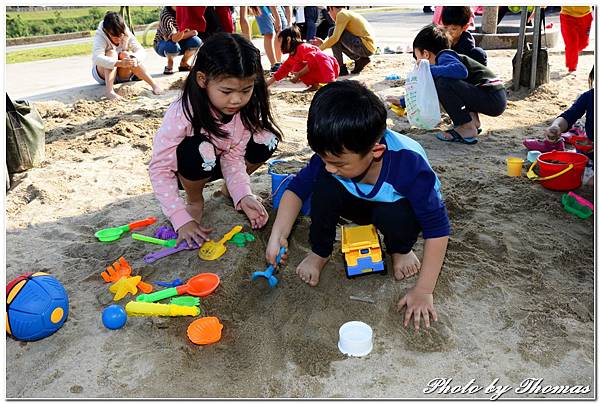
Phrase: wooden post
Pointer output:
(520, 47)
(537, 32)
(489, 23)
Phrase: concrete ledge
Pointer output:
(507, 37)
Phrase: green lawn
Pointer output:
(54, 52)
(67, 12)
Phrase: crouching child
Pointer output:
(366, 173)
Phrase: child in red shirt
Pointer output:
(306, 62)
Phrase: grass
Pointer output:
(55, 52)
(66, 12)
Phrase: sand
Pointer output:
(515, 297)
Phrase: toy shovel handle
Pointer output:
(156, 296)
(230, 234)
(281, 252)
(141, 223)
(141, 237)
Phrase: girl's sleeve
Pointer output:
(99, 57)
(163, 165)
(134, 47)
(233, 167)
(285, 68)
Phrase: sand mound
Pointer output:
(515, 297)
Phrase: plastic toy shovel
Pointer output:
(268, 273)
(200, 285)
(114, 233)
(211, 250)
(164, 243)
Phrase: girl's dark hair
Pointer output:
(226, 55)
(114, 24)
(293, 32)
(431, 38)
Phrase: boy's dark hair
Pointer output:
(432, 38)
(345, 115)
(114, 24)
(226, 55)
(456, 15)
(292, 32)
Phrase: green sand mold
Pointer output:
(240, 239)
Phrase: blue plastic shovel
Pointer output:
(268, 272)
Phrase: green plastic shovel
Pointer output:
(114, 233)
(164, 243)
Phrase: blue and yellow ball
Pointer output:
(37, 305)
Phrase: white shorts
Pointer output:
(100, 80)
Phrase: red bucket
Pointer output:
(561, 171)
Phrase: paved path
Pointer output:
(47, 79)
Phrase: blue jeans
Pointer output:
(311, 15)
(170, 48)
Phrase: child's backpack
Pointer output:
(25, 136)
(422, 104)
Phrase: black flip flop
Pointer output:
(456, 137)
(168, 70)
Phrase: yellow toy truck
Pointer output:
(362, 251)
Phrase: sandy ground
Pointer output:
(515, 296)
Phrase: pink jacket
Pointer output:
(162, 168)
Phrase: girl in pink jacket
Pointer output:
(306, 62)
(220, 127)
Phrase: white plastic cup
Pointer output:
(356, 338)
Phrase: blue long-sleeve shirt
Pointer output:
(405, 173)
(451, 65)
(583, 105)
(466, 46)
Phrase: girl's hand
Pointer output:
(192, 233)
(273, 246)
(256, 212)
(418, 304)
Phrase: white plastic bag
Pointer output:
(422, 104)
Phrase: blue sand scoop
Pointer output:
(268, 272)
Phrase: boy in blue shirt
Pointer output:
(464, 86)
(456, 22)
(371, 175)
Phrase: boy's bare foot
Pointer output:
(405, 265)
(195, 210)
(111, 95)
(310, 268)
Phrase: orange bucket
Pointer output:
(561, 171)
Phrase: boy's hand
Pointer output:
(295, 78)
(256, 212)
(552, 133)
(274, 245)
(192, 231)
(418, 304)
